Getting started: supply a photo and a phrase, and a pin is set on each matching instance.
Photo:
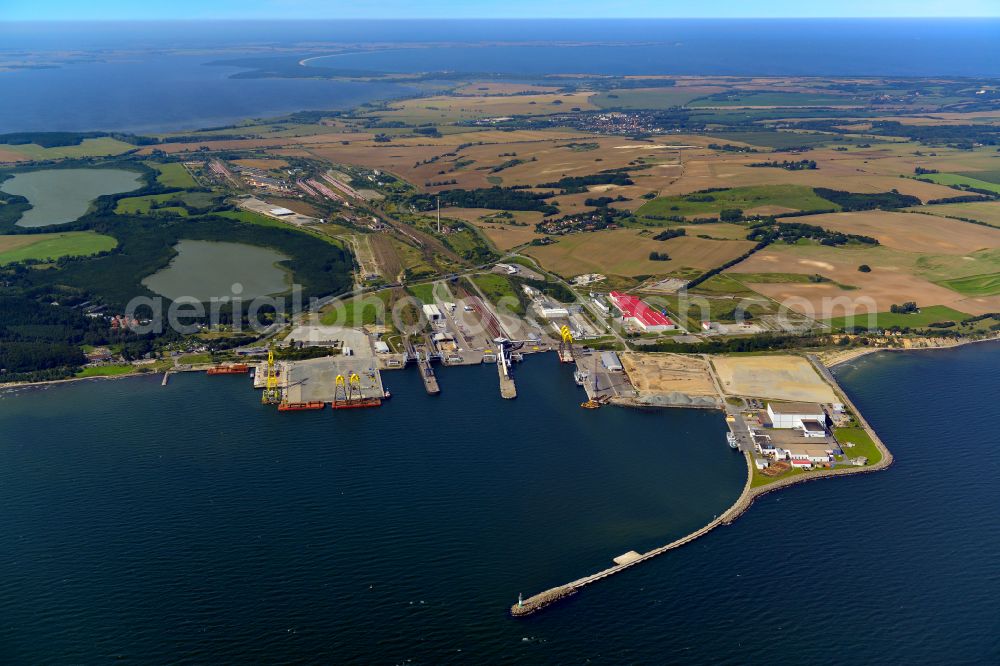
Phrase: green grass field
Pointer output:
(43, 247)
(927, 315)
(775, 139)
(796, 197)
(778, 99)
(992, 176)
(144, 205)
(424, 292)
(173, 174)
(657, 98)
(975, 285)
(100, 147)
(497, 287)
(106, 371)
(959, 179)
(863, 444)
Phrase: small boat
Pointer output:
(580, 377)
(387, 395)
(731, 438)
(590, 404)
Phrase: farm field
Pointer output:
(43, 247)
(975, 285)
(173, 174)
(145, 204)
(961, 179)
(448, 109)
(911, 232)
(626, 252)
(896, 277)
(650, 98)
(762, 199)
(781, 99)
(99, 147)
(777, 377)
(921, 319)
(987, 212)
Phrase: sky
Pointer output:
(75, 10)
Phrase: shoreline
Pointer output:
(855, 353)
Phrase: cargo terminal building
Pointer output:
(635, 312)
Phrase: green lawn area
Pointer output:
(961, 179)
(762, 480)
(424, 292)
(927, 315)
(173, 174)
(863, 444)
(975, 285)
(362, 311)
(52, 246)
(797, 197)
(106, 371)
(195, 359)
(174, 203)
(497, 287)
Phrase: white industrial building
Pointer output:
(610, 360)
(793, 414)
(550, 311)
(433, 312)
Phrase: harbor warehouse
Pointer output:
(635, 312)
(792, 414)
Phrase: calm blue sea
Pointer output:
(149, 77)
(186, 524)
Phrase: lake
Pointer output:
(189, 524)
(207, 269)
(58, 196)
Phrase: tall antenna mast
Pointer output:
(439, 214)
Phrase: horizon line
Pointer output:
(501, 18)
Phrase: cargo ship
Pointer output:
(731, 438)
(357, 404)
(234, 369)
(301, 406)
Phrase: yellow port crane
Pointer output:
(565, 345)
(340, 390)
(272, 394)
(354, 388)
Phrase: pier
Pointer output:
(422, 356)
(166, 378)
(541, 600)
(544, 599)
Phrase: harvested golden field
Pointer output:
(987, 212)
(502, 88)
(626, 252)
(854, 172)
(444, 109)
(912, 232)
(896, 277)
(11, 155)
(778, 377)
(500, 232)
(653, 374)
(265, 164)
(14, 242)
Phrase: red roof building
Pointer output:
(635, 311)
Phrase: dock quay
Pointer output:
(505, 359)
(166, 378)
(508, 390)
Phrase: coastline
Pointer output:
(838, 357)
